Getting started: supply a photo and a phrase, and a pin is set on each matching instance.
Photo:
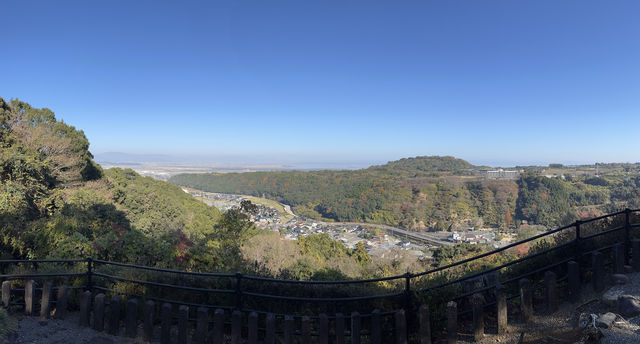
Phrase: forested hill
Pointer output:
(426, 164)
(431, 193)
(55, 202)
(420, 193)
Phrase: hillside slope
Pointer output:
(419, 193)
(55, 202)
(433, 193)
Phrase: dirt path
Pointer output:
(563, 326)
(32, 330)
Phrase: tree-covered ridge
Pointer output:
(416, 193)
(559, 201)
(426, 164)
(55, 202)
(436, 193)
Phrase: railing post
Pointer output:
(627, 238)
(407, 300)
(236, 327)
(323, 329)
(526, 300)
(635, 247)
(252, 336)
(401, 327)
(577, 253)
(89, 274)
(452, 322)
(114, 315)
(478, 316)
(597, 263)
(131, 318)
(425, 324)
(218, 326)
(238, 290)
(61, 302)
(6, 293)
(573, 272)
(376, 327)
(98, 312)
(85, 308)
(45, 303)
(355, 328)
(551, 291)
(501, 305)
(28, 297)
(270, 331)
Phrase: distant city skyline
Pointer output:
(498, 83)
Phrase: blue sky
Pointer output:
(493, 82)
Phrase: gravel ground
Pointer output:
(562, 326)
(32, 330)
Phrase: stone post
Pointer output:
(618, 258)
(165, 323)
(149, 315)
(597, 260)
(401, 327)
(98, 312)
(218, 326)
(376, 327)
(324, 329)
(501, 304)
(114, 315)
(202, 325)
(288, 329)
(573, 269)
(478, 317)
(270, 333)
(61, 302)
(452, 322)
(339, 328)
(45, 302)
(28, 297)
(635, 248)
(6, 293)
(306, 329)
(85, 304)
(551, 291)
(236, 327)
(131, 319)
(253, 328)
(355, 328)
(526, 300)
(425, 324)
(183, 324)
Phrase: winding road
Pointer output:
(421, 237)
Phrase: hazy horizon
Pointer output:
(226, 161)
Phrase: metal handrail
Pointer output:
(241, 292)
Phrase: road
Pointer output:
(422, 237)
(395, 231)
(399, 232)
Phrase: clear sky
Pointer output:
(493, 82)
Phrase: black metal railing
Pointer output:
(280, 296)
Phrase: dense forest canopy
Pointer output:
(56, 202)
(437, 193)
